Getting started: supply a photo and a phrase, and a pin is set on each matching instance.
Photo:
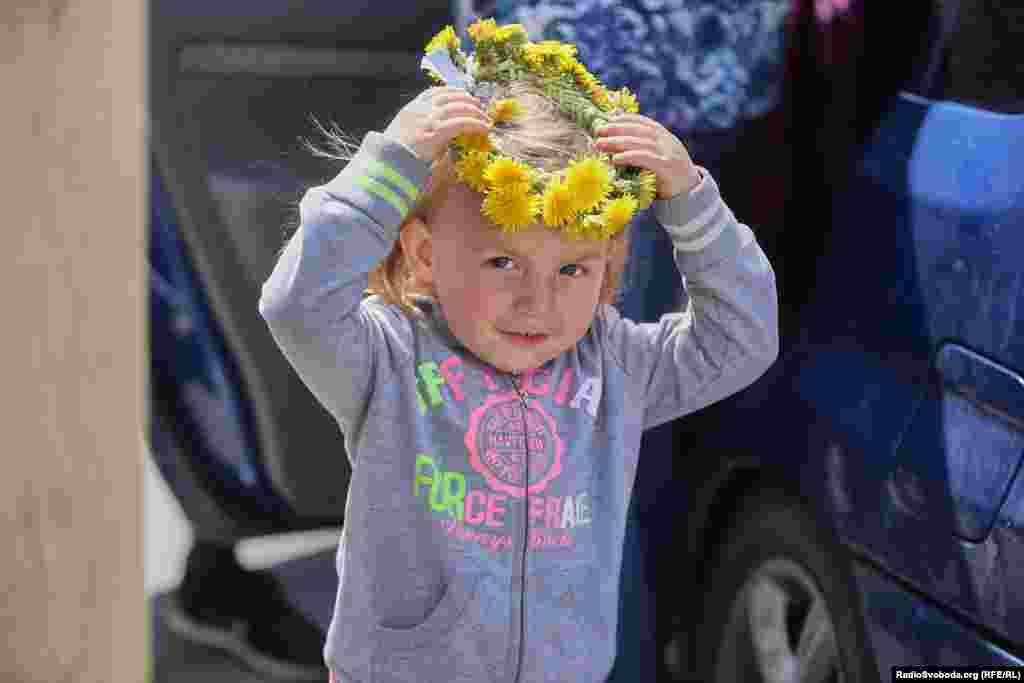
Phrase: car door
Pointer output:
(235, 88)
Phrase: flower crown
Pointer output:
(591, 198)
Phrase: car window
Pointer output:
(983, 65)
(250, 126)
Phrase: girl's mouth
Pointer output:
(527, 339)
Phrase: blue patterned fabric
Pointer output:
(694, 66)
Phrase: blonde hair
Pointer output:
(542, 136)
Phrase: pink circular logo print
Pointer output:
(500, 432)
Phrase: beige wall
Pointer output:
(72, 183)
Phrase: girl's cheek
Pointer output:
(494, 297)
(494, 283)
(474, 290)
(487, 299)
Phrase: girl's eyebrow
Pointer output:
(591, 255)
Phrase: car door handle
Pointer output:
(993, 388)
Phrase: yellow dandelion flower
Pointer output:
(589, 84)
(445, 38)
(532, 55)
(552, 50)
(600, 96)
(510, 32)
(566, 50)
(482, 29)
(511, 207)
(506, 172)
(557, 204)
(646, 188)
(618, 213)
(569, 65)
(583, 77)
(480, 142)
(470, 169)
(589, 180)
(505, 110)
(576, 230)
(625, 100)
(594, 228)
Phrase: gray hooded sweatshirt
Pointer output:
(486, 511)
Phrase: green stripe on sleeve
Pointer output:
(382, 170)
(384, 192)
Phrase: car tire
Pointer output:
(779, 605)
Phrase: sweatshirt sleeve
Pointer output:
(725, 335)
(311, 301)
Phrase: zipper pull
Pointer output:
(515, 383)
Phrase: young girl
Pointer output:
(492, 399)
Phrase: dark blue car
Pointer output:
(858, 508)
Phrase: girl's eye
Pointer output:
(573, 270)
(498, 262)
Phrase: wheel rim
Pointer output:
(779, 630)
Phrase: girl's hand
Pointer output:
(428, 123)
(636, 140)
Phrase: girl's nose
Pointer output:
(536, 296)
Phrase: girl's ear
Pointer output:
(417, 245)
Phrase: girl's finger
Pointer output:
(626, 143)
(637, 119)
(625, 128)
(455, 109)
(643, 158)
(449, 128)
(438, 90)
(433, 95)
(449, 95)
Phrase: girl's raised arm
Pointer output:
(726, 335)
(311, 301)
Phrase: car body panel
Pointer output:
(923, 286)
(906, 631)
(898, 409)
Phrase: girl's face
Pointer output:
(495, 287)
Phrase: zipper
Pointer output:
(522, 394)
(526, 531)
